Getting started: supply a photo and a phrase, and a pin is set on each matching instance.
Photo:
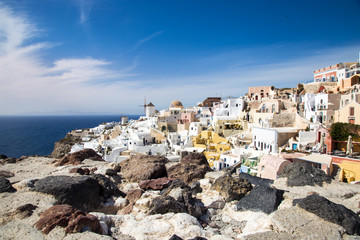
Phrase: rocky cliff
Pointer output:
(100, 200)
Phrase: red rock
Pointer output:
(68, 217)
(139, 168)
(134, 195)
(191, 168)
(155, 184)
(77, 157)
(77, 170)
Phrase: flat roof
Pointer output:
(317, 158)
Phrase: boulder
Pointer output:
(63, 147)
(131, 197)
(302, 173)
(175, 237)
(3, 156)
(77, 157)
(332, 212)
(10, 160)
(110, 172)
(230, 188)
(107, 187)
(25, 210)
(81, 171)
(82, 192)
(190, 169)
(134, 195)
(256, 180)
(183, 194)
(162, 205)
(218, 204)
(67, 217)
(194, 206)
(261, 198)
(6, 174)
(155, 184)
(139, 168)
(296, 223)
(159, 226)
(5, 185)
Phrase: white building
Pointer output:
(270, 139)
(196, 127)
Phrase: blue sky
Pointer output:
(104, 56)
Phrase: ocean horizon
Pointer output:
(36, 135)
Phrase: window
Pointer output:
(352, 121)
(352, 111)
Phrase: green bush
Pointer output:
(340, 131)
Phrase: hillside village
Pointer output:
(273, 164)
(290, 124)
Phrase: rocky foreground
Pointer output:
(147, 197)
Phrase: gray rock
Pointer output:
(261, 198)
(6, 174)
(10, 160)
(108, 188)
(332, 212)
(219, 204)
(162, 205)
(110, 172)
(175, 237)
(301, 174)
(82, 192)
(5, 185)
(256, 180)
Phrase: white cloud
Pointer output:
(28, 83)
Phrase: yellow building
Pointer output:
(228, 127)
(213, 144)
(350, 168)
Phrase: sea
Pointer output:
(36, 135)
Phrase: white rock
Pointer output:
(186, 226)
(102, 217)
(158, 227)
(214, 175)
(127, 187)
(205, 183)
(104, 228)
(176, 193)
(209, 196)
(121, 202)
(87, 236)
(24, 183)
(220, 237)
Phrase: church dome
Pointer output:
(176, 104)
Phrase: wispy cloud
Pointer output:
(85, 7)
(144, 40)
